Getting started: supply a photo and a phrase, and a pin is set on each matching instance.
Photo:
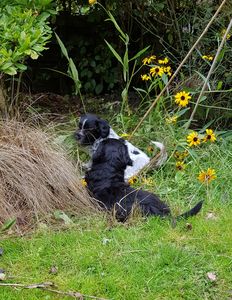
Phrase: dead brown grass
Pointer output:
(36, 177)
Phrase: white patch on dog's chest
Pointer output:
(139, 158)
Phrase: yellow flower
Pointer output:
(207, 176)
(210, 136)
(92, 2)
(145, 60)
(150, 149)
(151, 58)
(145, 77)
(168, 70)
(207, 57)
(228, 35)
(156, 70)
(148, 60)
(164, 61)
(124, 135)
(133, 180)
(83, 182)
(148, 181)
(171, 120)
(180, 165)
(182, 98)
(180, 155)
(193, 139)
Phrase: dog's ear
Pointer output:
(104, 128)
(125, 157)
(99, 153)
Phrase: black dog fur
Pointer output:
(105, 182)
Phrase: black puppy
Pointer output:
(106, 183)
(92, 130)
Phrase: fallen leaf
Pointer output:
(212, 276)
(189, 226)
(105, 241)
(53, 270)
(211, 216)
(2, 275)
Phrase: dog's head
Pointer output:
(114, 152)
(90, 129)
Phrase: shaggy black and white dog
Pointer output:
(92, 130)
(105, 182)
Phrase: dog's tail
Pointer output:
(161, 157)
(192, 212)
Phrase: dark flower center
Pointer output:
(195, 139)
(157, 70)
(182, 97)
(208, 137)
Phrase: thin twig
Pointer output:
(209, 74)
(46, 287)
(178, 69)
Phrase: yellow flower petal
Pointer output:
(92, 2)
(207, 176)
(210, 136)
(182, 98)
(171, 120)
(193, 139)
(83, 182)
(132, 180)
(157, 70)
(180, 165)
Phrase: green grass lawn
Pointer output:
(145, 259)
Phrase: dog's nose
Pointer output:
(77, 136)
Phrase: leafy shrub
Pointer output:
(23, 33)
(97, 71)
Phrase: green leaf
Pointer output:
(93, 63)
(206, 126)
(21, 67)
(165, 78)
(125, 65)
(99, 88)
(203, 98)
(6, 66)
(219, 85)
(62, 47)
(139, 53)
(124, 95)
(112, 19)
(114, 52)
(73, 69)
(11, 71)
(204, 79)
(8, 224)
(183, 111)
(140, 90)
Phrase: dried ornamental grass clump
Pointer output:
(36, 178)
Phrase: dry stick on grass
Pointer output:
(178, 69)
(46, 287)
(209, 74)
